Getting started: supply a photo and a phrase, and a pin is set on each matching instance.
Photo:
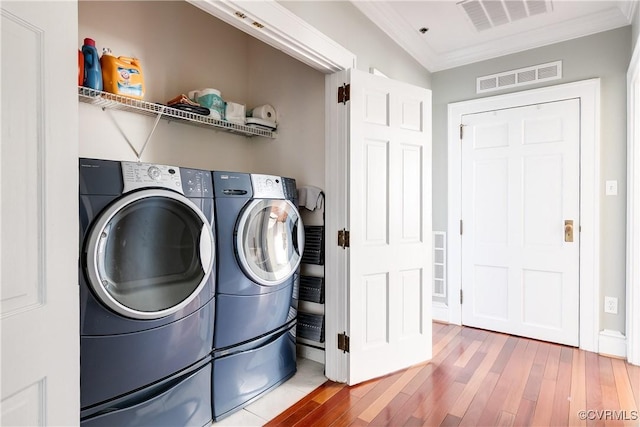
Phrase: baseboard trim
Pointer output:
(440, 312)
(312, 353)
(612, 343)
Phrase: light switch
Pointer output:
(611, 188)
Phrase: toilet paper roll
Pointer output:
(265, 112)
(235, 113)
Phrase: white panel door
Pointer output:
(390, 265)
(39, 215)
(520, 198)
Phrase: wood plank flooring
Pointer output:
(481, 378)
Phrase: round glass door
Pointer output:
(270, 241)
(150, 254)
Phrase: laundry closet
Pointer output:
(182, 48)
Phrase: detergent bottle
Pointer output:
(80, 68)
(122, 75)
(92, 70)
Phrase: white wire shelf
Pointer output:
(110, 101)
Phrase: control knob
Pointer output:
(154, 173)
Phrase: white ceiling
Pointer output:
(453, 40)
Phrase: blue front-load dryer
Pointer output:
(147, 281)
(260, 240)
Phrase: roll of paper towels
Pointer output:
(265, 112)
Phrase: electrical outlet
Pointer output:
(611, 305)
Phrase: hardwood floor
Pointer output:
(481, 378)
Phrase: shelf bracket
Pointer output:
(155, 125)
(124, 135)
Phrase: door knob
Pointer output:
(568, 230)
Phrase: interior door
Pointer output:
(389, 219)
(39, 220)
(520, 221)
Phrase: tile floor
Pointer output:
(310, 375)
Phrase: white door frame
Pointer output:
(633, 209)
(588, 91)
(336, 259)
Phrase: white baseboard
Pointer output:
(311, 353)
(440, 312)
(612, 343)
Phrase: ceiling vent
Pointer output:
(520, 77)
(486, 14)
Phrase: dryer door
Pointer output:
(149, 254)
(269, 240)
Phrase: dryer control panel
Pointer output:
(145, 175)
(267, 187)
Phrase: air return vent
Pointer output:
(486, 14)
(439, 264)
(520, 77)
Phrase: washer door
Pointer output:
(269, 240)
(149, 254)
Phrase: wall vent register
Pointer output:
(520, 77)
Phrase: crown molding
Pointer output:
(550, 34)
(382, 14)
(628, 8)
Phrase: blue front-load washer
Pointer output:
(146, 276)
(260, 239)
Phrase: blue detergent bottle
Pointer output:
(92, 70)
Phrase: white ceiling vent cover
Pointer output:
(520, 77)
(486, 14)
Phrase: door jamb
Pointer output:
(588, 91)
(336, 258)
(632, 331)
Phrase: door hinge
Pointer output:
(344, 93)
(343, 238)
(461, 131)
(343, 342)
(461, 227)
(460, 296)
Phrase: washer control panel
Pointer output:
(196, 183)
(145, 175)
(267, 187)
